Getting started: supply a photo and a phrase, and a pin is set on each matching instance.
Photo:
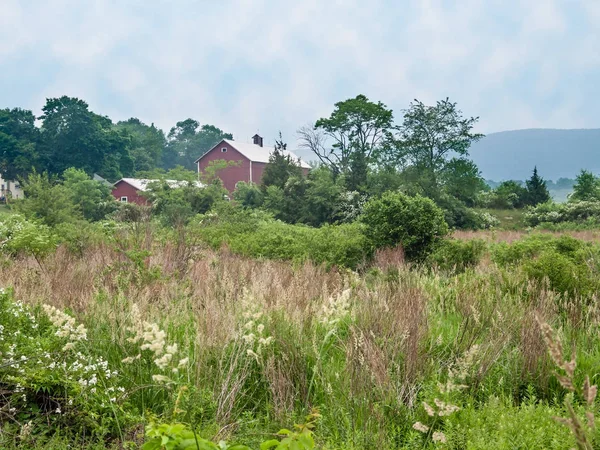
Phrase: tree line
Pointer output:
(70, 135)
(362, 153)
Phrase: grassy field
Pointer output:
(391, 357)
(4, 211)
(510, 219)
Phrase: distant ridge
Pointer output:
(557, 153)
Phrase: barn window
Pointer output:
(224, 150)
(124, 199)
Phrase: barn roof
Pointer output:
(141, 184)
(256, 153)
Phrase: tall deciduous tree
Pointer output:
(430, 136)
(73, 136)
(187, 141)
(586, 188)
(351, 138)
(537, 192)
(146, 145)
(19, 138)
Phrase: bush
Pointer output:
(457, 255)
(415, 223)
(584, 212)
(256, 234)
(20, 236)
(568, 264)
(459, 216)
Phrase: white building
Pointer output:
(10, 190)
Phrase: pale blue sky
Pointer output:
(249, 66)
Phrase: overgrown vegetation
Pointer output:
(236, 326)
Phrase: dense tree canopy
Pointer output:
(352, 137)
(19, 139)
(430, 136)
(187, 141)
(586, 188)
(146, 144)
(73, 136)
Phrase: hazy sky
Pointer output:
(249, 66)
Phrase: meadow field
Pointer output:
(154, 339)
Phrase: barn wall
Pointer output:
(230, 175)
(123, 189)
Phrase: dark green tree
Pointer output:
(322, 197)
(537, 192)
(46, 199)
(187, 141)
(415, 223)
(586, 188)
(73, 136)
(93, 199)
(248, 195)
(146, 144)
(461, 179)
(19, 138)
(354, 136)
(280, 167)
(429, 136)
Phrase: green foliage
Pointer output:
(73, 136)
(461, 179)
(583, 212)
(569, 265)
(429, 135)
(459, 216)
(19, 139)
(19, 236)
(280, 168)
(146, 144)
(586, 188)
(48, 376)
(75, 197)
(457, 255)
(254, 234)
(46, 199)
(188, 141)
(178, 436)
(176, 203)
(249, 195)
(359, 130)
(537, 192)
(509, 194)
(497, 425)
(92, 198)
(415, 223)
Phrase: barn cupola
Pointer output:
(257, 140)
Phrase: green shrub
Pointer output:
(256, 234)
(582, 212)
(415, 223)
(568, 264)
(21, 236)
(457, 255)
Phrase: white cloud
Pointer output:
(258, 65)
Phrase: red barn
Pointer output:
(252, 160)
(128, 190)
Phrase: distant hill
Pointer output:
(556, 153)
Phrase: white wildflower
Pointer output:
(421, 427)
(183, 362)
(438, 436)
(160, 379)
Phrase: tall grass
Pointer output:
(366, 349)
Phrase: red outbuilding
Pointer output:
(251, 158)
(129, 190)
